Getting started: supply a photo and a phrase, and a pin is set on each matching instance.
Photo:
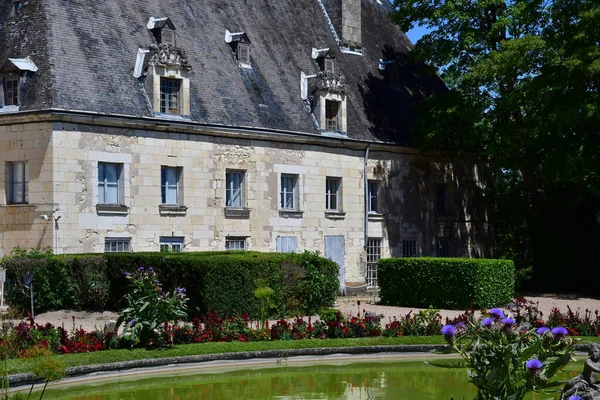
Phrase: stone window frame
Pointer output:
(284, 192)
(333, 183)
(165, 185)
(235, 243)
(123, 242)
(171, 244)
(332, 110)
(323, 97)
(230, 191)
(170, 88)
(12, 195)
(125, 160)
(156, 74)
(374, 187)
(118, 183)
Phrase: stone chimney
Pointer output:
(351, 24)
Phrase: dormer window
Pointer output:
(243, 53)
(332, 109)
(13, 77)
(16, 5)
(169, 96)
(328, 65)
(240, 45)
(163, 30)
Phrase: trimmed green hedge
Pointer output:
(223, 281)
(451, 283)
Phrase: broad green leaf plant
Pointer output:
(150, 312)
(505, 361)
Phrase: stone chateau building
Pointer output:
(274, 125)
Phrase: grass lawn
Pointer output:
(15, 366)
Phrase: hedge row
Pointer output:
(223, 281)
(451, 283)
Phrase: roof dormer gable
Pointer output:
(162, 29)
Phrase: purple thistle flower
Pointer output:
(132, 322)
(508, 321)
(542, 330)
(150, 269)
(559, 331)
(575, 398)
(496, 313)
(448, 331)
(461, 325)
(533, 365)
(487, 322)
(140, 268)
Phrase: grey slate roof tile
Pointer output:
(86, 52)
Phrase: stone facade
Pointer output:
(63, 184)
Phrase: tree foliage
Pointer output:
(524, 93)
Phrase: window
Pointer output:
(287, 244)
(443, 247)
(441, 199)
(109, 183)
(169, 96)
(11, 91)
(289, 192)
(235, 243)
(171, 244)
(331, 115)
(19, 183)
(170, 190)
(328, 65)
(332, 188)
(117, 245)
(409, 248)
(243, 53)
(373, 255)
(234, 190)
(373, 199)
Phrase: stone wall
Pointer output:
(64, 160)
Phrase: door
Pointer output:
(286, 244)
(334, 250)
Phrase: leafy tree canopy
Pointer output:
(523, 79)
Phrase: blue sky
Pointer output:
(416, 33)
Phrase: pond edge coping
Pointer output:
(28, 378)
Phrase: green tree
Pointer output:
(523, 79)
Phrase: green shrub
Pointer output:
(224, 281)
(452, 283)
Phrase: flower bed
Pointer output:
(25, 338)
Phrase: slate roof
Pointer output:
(86, 52)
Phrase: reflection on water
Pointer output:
(334, 380)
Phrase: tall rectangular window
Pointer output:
(373, 255)
(441, 199)
(19, 182)
(169, 96)
(289, 192)
(409, 248)
(373, 194)
(11, 91)
(117, 245)
(235, 243)
(328, 65)
(171, 244)
(332, 187)
(331, 115)
(443, 247)
(170, 187)
(234, 190)
(109, 177)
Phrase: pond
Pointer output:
(331, 379)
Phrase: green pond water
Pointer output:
(385, 379)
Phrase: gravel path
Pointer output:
(347, 305)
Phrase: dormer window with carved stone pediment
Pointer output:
(326, 93)
(165, 71)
